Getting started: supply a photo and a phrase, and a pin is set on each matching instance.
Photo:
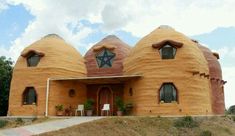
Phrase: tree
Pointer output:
(231, 110)
(5, 81)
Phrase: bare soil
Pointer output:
(149, 126)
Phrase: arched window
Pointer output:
(33, 59)
(168, 52)
(167, 48)
(168, 93)
(105, 58)
(29, 96)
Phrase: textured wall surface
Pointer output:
(60, 60)
(121, 50)
(59, 94)
(218, 106)
(193, 89)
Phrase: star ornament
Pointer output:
(105, 59)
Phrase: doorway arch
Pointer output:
(104, 96)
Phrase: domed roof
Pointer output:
(215, 71)
(117, 51)
(213, 63)
(146, 52)
(55, 53)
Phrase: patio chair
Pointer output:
(106, 108)
(81, 109)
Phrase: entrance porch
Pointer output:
(102, 90)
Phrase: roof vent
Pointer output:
(53, 36)
(165, 27)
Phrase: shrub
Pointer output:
(231, 110)
(3, 123)
(19, 120)
(186, 122)
(120, 104)
(59, 107)
(88, 105)
(206, 133)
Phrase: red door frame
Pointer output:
(98, 99)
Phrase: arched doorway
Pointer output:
(105, 96)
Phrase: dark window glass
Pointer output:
(29, 96)
(33, 59)
(105, 59)
(130, 92)
(168, 93)
(167, 52)
(71, 92)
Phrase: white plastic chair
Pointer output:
(106, 108)
(81, 109)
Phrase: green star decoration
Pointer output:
(105, 58)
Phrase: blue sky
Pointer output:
(83, 23)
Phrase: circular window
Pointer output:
(71, 93)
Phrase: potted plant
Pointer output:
(59, 110)
(128, 108)
(120, 105)
(88, 106)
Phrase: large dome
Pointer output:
(56, 54)
(116, 47)
(143, 53)
(188, 71)
(57, 60)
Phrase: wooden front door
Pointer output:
(104, 97)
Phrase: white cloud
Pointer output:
(226, 52)
(3, 5)
(53, 17)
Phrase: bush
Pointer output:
(88, 105)
(3, 123)
(206, 133)
(120, 104)
(59, 107)
(19, 120)
(231, 110)
(186, 122)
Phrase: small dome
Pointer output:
(215, 72)
(56, 53)
(117, 51)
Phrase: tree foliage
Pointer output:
(231, 110)
(5, 80)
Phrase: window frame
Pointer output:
(30, 57)
(174, 51)
(25, 93)
(176, 91)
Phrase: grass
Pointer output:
(186, 122)
(152, 126)
(21, 122)
(3, 123)
(206, 133)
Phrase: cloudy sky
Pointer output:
(84, 22)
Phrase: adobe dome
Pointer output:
(188, 71)
(57, 60)
(54, 49)
(116, 47)
(218, 106)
